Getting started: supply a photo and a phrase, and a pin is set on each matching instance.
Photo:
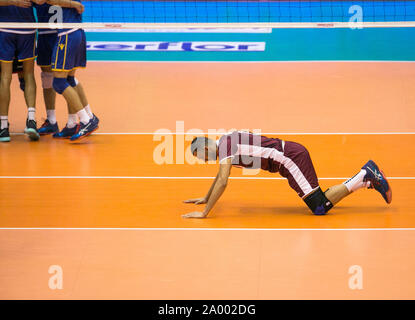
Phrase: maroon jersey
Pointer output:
(251, 151)
(290, 159)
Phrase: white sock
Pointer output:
(356, 182)
(72, 121)
(31, 113)
(4, 122)
(88, 110)
(51, 116)
(83, 116)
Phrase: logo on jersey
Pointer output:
(61, 46)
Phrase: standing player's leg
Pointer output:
(50, 126)
(45, 46)
(5, 81)
(73, 82)
(71, 127)
(70, 54)
(25, 49)
(30, 97)
(61, 86)
(7, 52)
(18, 68)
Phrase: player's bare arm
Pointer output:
(17, 3)
(204, 199)
(216, 190)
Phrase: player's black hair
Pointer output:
(197, 143)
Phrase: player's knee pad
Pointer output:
(47, 80)
(60, 84)
(318, 202)
(73, 82)
(22, 84)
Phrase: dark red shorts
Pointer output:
(298, 169)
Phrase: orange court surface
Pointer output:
(104, 211)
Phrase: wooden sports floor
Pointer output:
(110, 217)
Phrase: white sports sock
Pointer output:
(83, 116)
(356, 182)
(31, 113)
(72, 121)
(4, 122)
(88, 110)
(51, 116)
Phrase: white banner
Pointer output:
(187, 30)
(189, 46)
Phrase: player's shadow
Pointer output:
(304, 210)
(365, 209)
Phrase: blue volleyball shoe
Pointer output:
(377, 180)
(95, 120)
(66, 132)
(48, 128)
(85, 130)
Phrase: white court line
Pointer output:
(263, 133)
(220, 229)
(269, 133)
(175, 178)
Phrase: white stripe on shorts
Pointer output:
(17, 31)
(67, 32)
(278, 156)
(298, 176)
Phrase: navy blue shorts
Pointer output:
(21, 46)
(45, 45)
(69, 52)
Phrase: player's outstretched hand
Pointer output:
(22, 3)
(196, 201)
(197, 215)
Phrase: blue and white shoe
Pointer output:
(66, 132)
(95, 120)
(377, 180)
(85, 130)
(48, 128)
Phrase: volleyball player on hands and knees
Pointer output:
(290, 159)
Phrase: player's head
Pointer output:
(204, 148)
